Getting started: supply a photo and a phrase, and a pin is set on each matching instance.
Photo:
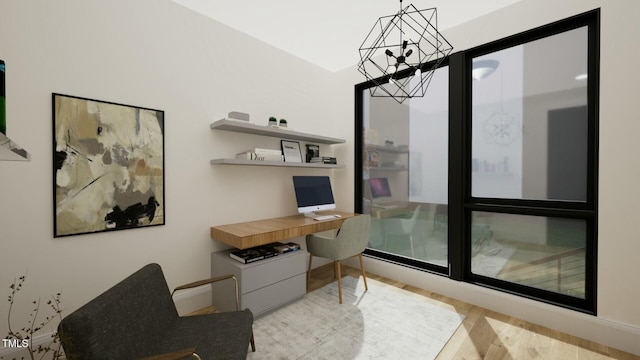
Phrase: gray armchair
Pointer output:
(137, 318)
(351, 241)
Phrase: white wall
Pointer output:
(160, 55)
(156, 54)
(618, 321)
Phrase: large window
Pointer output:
(530, 141)
(491, 178)
(529, 120)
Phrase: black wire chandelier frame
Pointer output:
(401, 53)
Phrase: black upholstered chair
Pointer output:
(137, 318)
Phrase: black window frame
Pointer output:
(462, 204)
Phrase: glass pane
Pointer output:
(542, 252)
(529, 120)
(405, 172)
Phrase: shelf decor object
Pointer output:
(291, 151)
(108, 166)
(10, 151)
(401, 53)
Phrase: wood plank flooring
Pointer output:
(485, 334)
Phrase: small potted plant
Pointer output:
(273, 121)
(283, 123)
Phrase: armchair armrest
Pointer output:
(211, 281)
(203, 282)
(175, 355)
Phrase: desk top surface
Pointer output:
(260, 232)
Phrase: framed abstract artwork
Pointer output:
(108, 166)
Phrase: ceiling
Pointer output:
(328, 33)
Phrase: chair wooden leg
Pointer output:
(253, 343)
(309, 272)
(339, 281)
(364, 276)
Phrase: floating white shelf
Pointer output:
(274, 163)
(11, 151)
(249, 128)
(384, 148)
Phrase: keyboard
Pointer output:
(325, 217)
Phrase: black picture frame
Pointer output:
(108, 166)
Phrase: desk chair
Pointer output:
(402, 227)
(351, 240)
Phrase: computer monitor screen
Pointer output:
(313, 193)
(379, 188)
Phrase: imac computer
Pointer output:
(313, 193)
(380, 190)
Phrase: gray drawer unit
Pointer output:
(263, 285)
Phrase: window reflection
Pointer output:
(529, 120)
(405, 172)
(542, 252)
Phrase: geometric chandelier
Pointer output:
(401, 53)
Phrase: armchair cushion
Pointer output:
(225, 333)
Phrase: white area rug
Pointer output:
(383, 323)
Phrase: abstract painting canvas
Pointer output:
(108, 164)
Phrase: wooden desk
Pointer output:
(266, 284)
(255, 233)
(392, 209)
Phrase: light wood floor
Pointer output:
(485, 334)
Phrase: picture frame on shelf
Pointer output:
(373, 159)
(108, 166)
(313, 151)
(291, 151)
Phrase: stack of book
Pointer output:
(237, 115)
(285, 248)
(253, 254)
(324, 160)
(261, 155)
(257, 253)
